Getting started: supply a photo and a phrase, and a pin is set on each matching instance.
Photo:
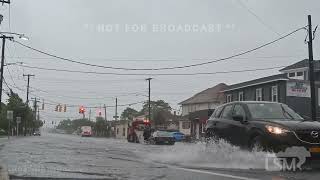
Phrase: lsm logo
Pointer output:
(291, 159)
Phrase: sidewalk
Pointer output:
(3, 171)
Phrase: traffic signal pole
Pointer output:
(105, 112)
(311, 72)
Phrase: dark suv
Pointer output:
(269, 125)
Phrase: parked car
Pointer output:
(178, 136)
(86, 131)
(267, 125)
(36, 133)
(162, 137)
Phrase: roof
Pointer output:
(209, 95)
(277, 77)
(302, 64)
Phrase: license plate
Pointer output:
(315, 150)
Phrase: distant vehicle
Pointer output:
(36, 133)
(136, 130)
(162, 137)
(86, 131)
(265, 125)
(178, 136)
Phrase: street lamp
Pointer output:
(4, 37)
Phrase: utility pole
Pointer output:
(311, 72)
(28, 85)
(35, 106)
(38, 114)
(90, 114)
(105, 112)
(116, 111)
(2, 65)
(149, 107)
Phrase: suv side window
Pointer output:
(227, 112)
(238, 110)
(217, 112)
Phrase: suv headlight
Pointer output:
(276, 130)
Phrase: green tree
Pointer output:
(100, 127)
(70, 126)
(3, 117)
(129, 114)
(160, 111)
(21, 109)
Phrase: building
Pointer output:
(291, 87)
(196, 110)
(121, 129)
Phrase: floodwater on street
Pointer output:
(75, 157)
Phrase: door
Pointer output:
(221, 124)
(239, 133)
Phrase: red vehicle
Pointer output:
(136, 130)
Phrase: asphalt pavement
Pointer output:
(72, 157)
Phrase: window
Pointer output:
(217, 112)
(274, 93)
(259, 94)
(124, 132)
(227, 112)
(185, 125)
(300, 73)
(293, 74)
(241, 98)
(229, 98)
(272, 111)
(238, 110)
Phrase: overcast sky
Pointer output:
(127, 33)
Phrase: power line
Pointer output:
(163, 68)
(258, 18)
(150, 59)
(150, 74)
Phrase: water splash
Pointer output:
(214, 155)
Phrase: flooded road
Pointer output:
(73, 157)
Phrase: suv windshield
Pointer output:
(272, 111)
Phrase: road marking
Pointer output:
(213, 173)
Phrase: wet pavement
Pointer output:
(72, 157)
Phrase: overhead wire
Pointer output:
(162, 68)
(149, 74)
(257, 17)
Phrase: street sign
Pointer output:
(18, 120)
(10, 115)
(115, 116)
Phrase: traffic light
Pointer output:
(60, 108)
(82, 110)
(65, 108)
(99, 113)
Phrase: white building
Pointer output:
(121, 129)
(196, 109)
